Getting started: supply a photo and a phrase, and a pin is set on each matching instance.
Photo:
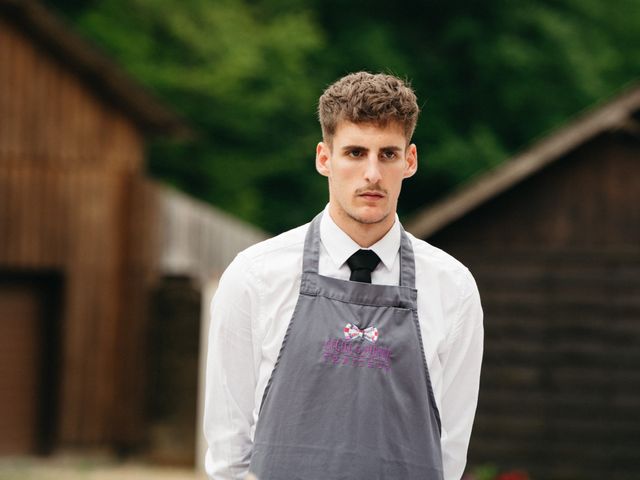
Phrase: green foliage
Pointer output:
(485, 472)
(246, 74)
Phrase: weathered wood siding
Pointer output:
(50, 117)
(586, 200)
(171, 235)
(66, 162)
(196, 243)
(189, 230)
(74, 203)
(557, 261)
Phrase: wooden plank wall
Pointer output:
(67, 161)
(50, 118)
(560, 383)
(169, 235)
(198, 240)
(73, 199)
(194, 242)
(585, 200)
(89, 258)
(557, 261)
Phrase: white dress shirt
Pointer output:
(255, 301)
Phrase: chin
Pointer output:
(369, 218)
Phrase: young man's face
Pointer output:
(365, 165)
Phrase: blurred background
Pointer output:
(144, 143)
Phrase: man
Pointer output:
(346, 348)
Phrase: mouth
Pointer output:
(371, 195)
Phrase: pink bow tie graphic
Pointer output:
(352, 331)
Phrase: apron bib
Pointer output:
(350, 395)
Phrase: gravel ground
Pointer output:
(89, 469)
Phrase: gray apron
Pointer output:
(350, 395)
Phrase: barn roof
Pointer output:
(103, 76)
(620, 113)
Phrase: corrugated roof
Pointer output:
(103, 75)
(620, 113)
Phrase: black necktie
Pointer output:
(362, 263)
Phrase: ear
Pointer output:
(411, 161)
(323, 159)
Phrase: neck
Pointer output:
(364, 234)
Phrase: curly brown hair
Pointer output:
(363, 97)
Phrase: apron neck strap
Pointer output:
(311, 254)
(407, 261)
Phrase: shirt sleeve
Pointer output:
(230, 375)
(461, 379)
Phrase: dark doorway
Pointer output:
(173, 370)
(30, 307)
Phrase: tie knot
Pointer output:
(362, 263)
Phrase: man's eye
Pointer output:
(389, 155)
(355, 153)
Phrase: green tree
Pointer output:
(246, 74)
(239, 72)
(492, 76)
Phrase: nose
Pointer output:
(372, 171)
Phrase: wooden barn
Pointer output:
(102, 270)
(553, 239)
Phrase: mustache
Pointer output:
(371, 188)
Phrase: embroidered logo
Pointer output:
(352, 331)
(357, 349)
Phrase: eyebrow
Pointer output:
(360, 147)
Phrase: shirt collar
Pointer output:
(341, 246)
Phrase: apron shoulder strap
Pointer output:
(311, 253)
(407, 261)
